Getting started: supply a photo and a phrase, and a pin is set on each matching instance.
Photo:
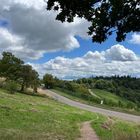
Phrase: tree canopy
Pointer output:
(106, 16)
(14, 71)
(10, 66)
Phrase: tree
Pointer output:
(14, 71)
(29, 78)
(35, 82)
(48, 80)
(10, 66)
(106, 16)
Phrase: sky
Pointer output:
(65, 50)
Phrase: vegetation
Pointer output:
(106, 105)
(126, 87)
(27, 117)
(115, 101)
(11, 86)
(112, 129)
(116, 92)
(14, 72)
(106, 16)
(49, 81)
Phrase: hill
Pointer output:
(24, 117)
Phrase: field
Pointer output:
(26, 117)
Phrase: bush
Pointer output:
(11, 86)
(104, 84)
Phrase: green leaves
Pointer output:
(10, 66)
(107, 16)
(13, 69)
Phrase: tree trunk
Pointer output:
(35, 89)
(22, 87)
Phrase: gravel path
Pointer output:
(106, 112)
(87, 133)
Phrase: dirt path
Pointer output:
(93, 94)
(87, 133)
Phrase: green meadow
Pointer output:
(29, 117)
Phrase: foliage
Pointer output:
(103, 84)
(10, 66)
(118, 92)
(13, 69)
(106, 16)
(11, 86)
(125, 90)
(49, 81)
(125, 86)
(29, 78)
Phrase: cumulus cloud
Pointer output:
(120, 53)
(37, 29)
(94, 63)
(135, 39)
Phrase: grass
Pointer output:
(109, 96)
(30, 117)
(102, 94)
(114, 129)
(26, 117)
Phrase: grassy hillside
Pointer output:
(107, 95)
(26, 117)
(110, 98)
(104, 95)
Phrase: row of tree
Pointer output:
(14, 71)
(70, 87)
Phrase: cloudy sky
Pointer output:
(63, 49)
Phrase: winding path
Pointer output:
(87, 133)
(106, 112)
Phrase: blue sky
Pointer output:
(3, 23)
(63, 49)
(87, 45)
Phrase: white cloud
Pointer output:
(94, 55)
(120, 53)
(135, 39)
(93, 63)
(37, 29)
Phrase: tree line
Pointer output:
(16, 74)
(124, 86)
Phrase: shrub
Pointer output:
(104, 84)
(11, 86)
